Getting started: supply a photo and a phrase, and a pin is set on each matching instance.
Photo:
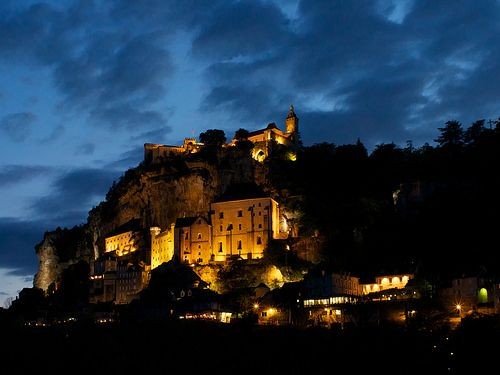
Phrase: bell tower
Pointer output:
(292, 121)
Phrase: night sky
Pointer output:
(84, 84)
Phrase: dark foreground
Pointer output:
(186, 347)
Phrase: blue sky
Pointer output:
(84, 84)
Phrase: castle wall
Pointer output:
(243, 227)
(193, 244)
(122, 243)
(162, 246)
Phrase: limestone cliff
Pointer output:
(182, 186)
(58, 250)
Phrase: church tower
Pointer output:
(292, 121)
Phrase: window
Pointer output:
(186, 236)
(221, 215)
(259, 204)
(240, 213)
(239, 244)
(199, 221)
(199, 236)
(260, 213)
(259, 240)
(264, 313)
(260, 226)
(220, 247)
(221, 228)
(239, 226)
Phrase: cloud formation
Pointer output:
(17, 244)
(73, 194)
(14, 174)
(383, 71)
(17, 126)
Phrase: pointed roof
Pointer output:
(291, 113)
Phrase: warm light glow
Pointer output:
(255, 305)
(482, 295)
(458, 306)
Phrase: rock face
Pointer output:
(155, 194)
(58, 250)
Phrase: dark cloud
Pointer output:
(15, 174)
(73, 194)
(54, 135)
(17, 244)
(246, 104)
(374, 70)
(113, 73)
(17, 126)
(85, 149)
(382, 70)
(243, 28)
(127, 159)
(153, 136)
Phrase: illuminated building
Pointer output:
(242, 228)
(471, 293)
(156, 153)
(124, 239)
(325, 295)
(162, 245)
(387, 282)
(263, 138)
(192, 240)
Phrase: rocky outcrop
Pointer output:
(155, 194)
(58, 250)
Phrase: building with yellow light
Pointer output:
(162, 245)
(387, 282)
(263, 138)
(156, 153)
(242, 228)
(124, 239)
(193, 240)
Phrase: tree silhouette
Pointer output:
(475, 132)
(452, 135)
(213, 137)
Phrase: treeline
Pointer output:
(431, 208)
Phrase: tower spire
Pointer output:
(292, 121)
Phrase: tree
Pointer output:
(242, 141)
(213, 137)
(452, 135)
(475, 132)
(241, 134)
